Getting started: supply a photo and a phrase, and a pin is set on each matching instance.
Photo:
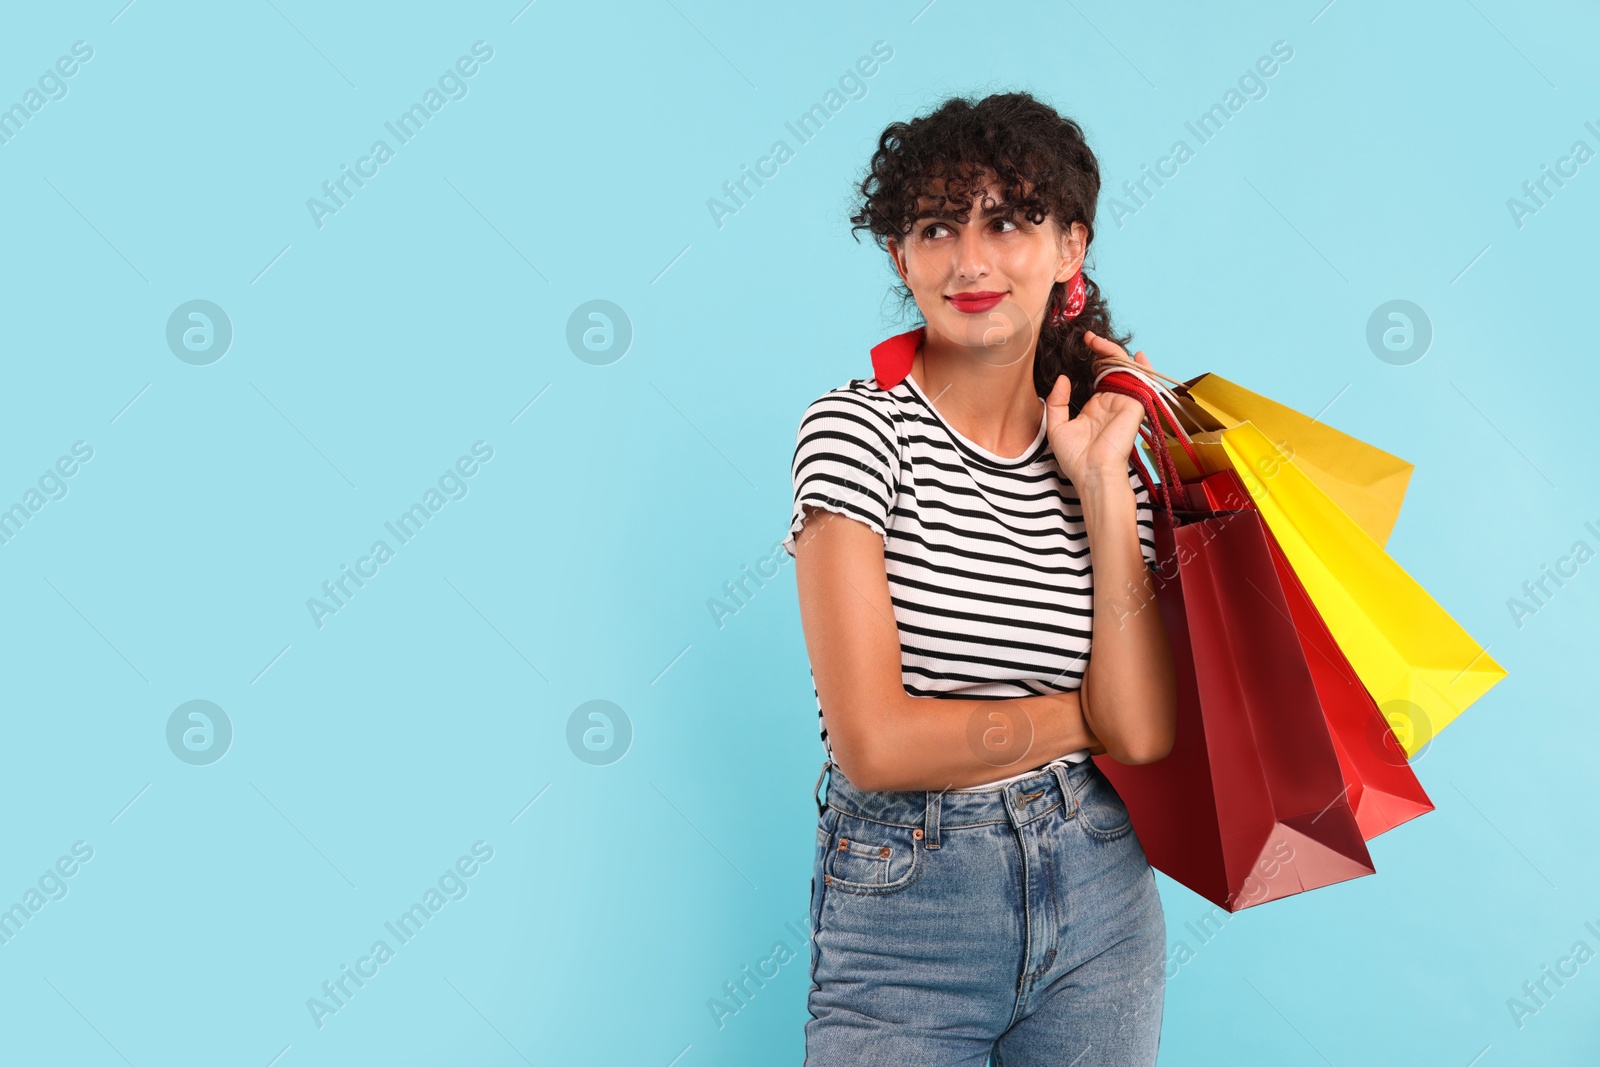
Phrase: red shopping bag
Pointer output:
(1382, 787)
(1251, 803)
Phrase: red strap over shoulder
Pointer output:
(891, 359)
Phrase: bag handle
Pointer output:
(1155, 437)
(1117, 374)
(1147, 375)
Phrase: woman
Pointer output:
(978, 888)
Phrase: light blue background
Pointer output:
(426, 315)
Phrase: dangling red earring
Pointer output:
(1076, 297)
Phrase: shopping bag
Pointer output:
(1383, 789)
(1416, 661)
(1251, 804)
(1365, 482)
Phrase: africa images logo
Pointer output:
(452, 85)
(452, 485)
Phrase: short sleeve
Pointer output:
(1144, 515)
(846, 460)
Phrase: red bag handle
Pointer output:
(1155, 436)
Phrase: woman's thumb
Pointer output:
(1060, 393)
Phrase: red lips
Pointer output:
(974, 303)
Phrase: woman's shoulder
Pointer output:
(859, 399)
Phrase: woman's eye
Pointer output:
(929, 231)
(1006, 222)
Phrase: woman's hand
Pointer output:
(1096, 747)
(1098, 442)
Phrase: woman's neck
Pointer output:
(986, 399)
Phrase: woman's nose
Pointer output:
(972, 255)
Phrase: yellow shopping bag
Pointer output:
(1420, 666)
(1366, 482)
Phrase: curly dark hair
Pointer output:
(1021, 143)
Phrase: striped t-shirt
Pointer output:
(987, 556)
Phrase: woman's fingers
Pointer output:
(1060, 393)
(1104, 345)
(1111, 348)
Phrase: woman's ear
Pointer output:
(1073, 250)
(896, 252)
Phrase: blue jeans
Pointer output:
(1020, 922)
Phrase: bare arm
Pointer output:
(882, 737)
(1133, 705)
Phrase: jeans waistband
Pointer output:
(1018, 802)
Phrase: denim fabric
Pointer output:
(1020, 922)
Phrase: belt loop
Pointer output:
(930, 819)
(1068, 796)
(821, 807)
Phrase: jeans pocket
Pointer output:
(1101, 812)
(869, 857)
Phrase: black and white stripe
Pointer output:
(987, 557)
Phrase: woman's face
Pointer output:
(985, 282)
